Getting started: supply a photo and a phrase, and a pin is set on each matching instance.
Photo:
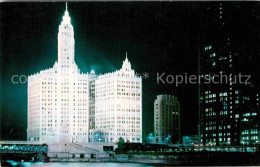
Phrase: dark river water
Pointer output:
(75, 164)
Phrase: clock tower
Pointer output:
(66, 42)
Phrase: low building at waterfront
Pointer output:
(190, 140)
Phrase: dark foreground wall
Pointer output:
(23, 156)
(195, 158)
(220, 158)
(184, 158)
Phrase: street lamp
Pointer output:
(242, 146)
(99, 143)
(150, 137)
(167, 140)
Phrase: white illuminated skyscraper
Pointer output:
(118, 106)
(65, 105)
(58, 97)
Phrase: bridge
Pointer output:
(22, 147)
(36, 151)
(26, 150)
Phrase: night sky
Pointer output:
(158, 37)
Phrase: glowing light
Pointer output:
(68, 91)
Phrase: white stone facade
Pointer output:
(118, 106)
(58, 97)
(65, 105)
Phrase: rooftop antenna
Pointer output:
(66, 6)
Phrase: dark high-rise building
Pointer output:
(166, 119)
(229, 110)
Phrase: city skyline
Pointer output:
(66, 105)
(142, 60)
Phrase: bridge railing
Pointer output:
(21, 142)
(5, 148)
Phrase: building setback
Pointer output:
(166, 119)
(66, 105)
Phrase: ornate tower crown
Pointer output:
(126, 69)
(66, 42)
(66, 17)
(126, 64)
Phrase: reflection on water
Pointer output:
(75, 164)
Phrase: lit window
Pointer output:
(208, 47)
(212, 54)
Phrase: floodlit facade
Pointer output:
(118, 106)
(65, 105)
(58, 97)
(166, 119)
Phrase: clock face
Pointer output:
(65, 42)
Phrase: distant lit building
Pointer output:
(65, 105)
(250, 119)
(229, 114)
(166, 119)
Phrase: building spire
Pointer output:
(126, 56)
(126, 67)
(66, 17)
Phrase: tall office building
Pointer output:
(228, 111)
(118, 106)
(166, 119)
(58, 97)
(65, 105)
